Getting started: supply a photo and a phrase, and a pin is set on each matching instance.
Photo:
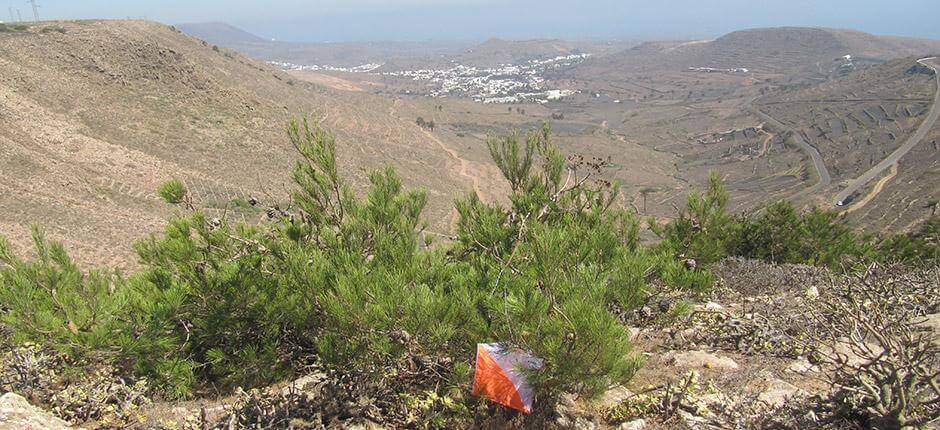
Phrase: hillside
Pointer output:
(858, 120)
(769, 50)
(220, 33)
(337, 54)
(95, 114)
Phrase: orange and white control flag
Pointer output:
(501, 373)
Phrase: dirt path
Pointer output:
(766, 144)
(821, 171)
(893, 158)
(465, 167)
(874, 192)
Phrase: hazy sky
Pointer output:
(335, 20)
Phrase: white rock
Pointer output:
(700, 359)
(638, 424)
(366, 425)
(582, 423)
(931, 323)
(714, 307)
(305, 384)
(778, 392)
(614, 397)
(17, 414)
(709, 307)
(801, 365)
(811, 292)
(843, 350)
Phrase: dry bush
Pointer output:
(882, 367)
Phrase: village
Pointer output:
(505, 83)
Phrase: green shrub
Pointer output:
(549, 264)
(783, 235)
(703, 230)
(921, 247)
(345, 278)
(209, 303)
(12, 28)
(172, 191)
(50, 300)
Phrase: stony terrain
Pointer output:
(733, 358)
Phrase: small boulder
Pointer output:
(778, 392)
(931, 323)
(700, 359)
(801, 366)
(638, 424)
(614, 397)
(307, 384)
(17, 414)
(845, 351)
(714, 307)
(365, 425)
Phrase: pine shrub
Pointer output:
(49, 299)
(703, 230)
(346, 278)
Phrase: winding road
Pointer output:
(895, 156)
(821, 171)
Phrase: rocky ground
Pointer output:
(765, 349)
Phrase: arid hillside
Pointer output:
(782, 113)
(94, 115)
(857, 121)
(337, 54)
(768, 50)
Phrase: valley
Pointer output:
(203, 228)
(813, 126)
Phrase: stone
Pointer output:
(778, 392)
(844, 351)
(365, 425)
(714, 307)
(306, 384)
(638, 424)
(709, 307)
(614, 397)
(582, 423)
(811, 293)
(801, 366)
(931, 323)
(17, 414)
(700, 359)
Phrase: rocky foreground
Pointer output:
(770, 347)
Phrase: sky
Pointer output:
(443, 20)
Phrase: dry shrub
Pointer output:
(882, 366)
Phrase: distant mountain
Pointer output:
(340, 54)
(774, 50)
(220, 33)
(395, 55)
(499, 51)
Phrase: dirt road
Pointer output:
(918, 135)
(821, 171)
(465, 168)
